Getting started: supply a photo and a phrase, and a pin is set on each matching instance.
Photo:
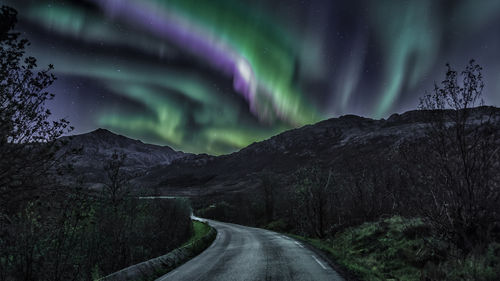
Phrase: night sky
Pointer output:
(216, 75)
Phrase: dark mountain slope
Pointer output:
(337, 143)
(96, 148)
(328, 143)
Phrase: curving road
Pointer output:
(247, 253)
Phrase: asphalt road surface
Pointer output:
(246, 253)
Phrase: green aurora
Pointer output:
(215, 76)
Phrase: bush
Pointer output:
(278, 225)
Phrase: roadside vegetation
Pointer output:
(200, 229)
(426, 209)
(155, 268)
(398, 249)
(76, 236)
(49, 231)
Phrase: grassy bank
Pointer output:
(199, 230)
(400, 249)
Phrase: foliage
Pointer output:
(52, 232)
(277, 225)
(84, 236)
(456, 166)
(200, 229)
(222, 210)
(27, 132)
(311, 196)
(396, 248)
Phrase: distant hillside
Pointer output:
(98, 146)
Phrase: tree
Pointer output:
(457, 163)
(28, 137)
(311, 193)
(116, 187)
(68, 234)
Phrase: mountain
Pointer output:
(337, 143)
(333, 143)
(96, 147)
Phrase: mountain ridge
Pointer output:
(171, 172)
(325, 143)
(95, 148)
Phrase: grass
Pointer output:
(197, 244)
(199, 230)
(390, 249)
(395, 249)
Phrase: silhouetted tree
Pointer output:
(27, 134)
(457, 164)
(117, 185)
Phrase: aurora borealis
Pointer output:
(214, 76)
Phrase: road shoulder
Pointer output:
(326, 256)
